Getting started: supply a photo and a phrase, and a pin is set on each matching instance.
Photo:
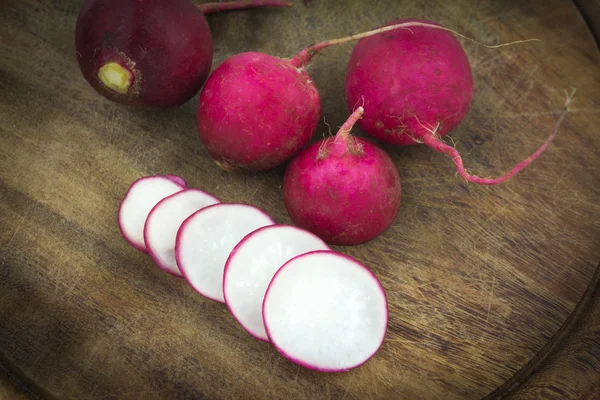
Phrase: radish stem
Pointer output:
(344, 131)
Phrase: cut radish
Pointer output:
(141, 197)
(251, 266)
(325, 311)
(206, 238)
(177, 180)
(164, 221)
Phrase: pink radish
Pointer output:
(251, 266)
(345, 189)
(416, 75)
(256, 111)
(325, 311)
(416, 85)
(205, 240)
(164, 221)
(141, 197)
(148, 53)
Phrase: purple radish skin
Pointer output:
(344, 189)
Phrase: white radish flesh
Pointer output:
(141, 197)
(164, 221)
(325, 311)
(205, 240)
(251, 266)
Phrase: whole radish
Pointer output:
(151, 53)
(255, 111)
(417, 86)
(344, 189)
(409, 77)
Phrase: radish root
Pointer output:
(433, 140)
(303, 58)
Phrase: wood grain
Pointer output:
(568, 367)
(479, 279)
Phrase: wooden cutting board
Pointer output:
(478, 279)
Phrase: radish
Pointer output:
(164, 221)
(256, 111)
(205, 240)
(325, 311)
(417, 86)
(419, 68)
(345, 189)
(148, 53)
(141, 197)
(251, 266)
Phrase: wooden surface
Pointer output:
(568, 367)
(11, 388)
(479, 279)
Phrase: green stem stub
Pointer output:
(116, 77)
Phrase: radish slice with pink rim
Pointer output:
(207, 237)
(251, 266)
(141, 197)
(178, 180)
(325, 311)
(164, 221)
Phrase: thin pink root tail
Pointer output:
(434, 141)
(210, 8)
(303, 58)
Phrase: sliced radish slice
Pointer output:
(177, 180)
(141, 197)
(251, 266)
(325, 311)
(164, 221)
(206, 238)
